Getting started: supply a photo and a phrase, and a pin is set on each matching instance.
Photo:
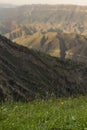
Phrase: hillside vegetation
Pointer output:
(27, 74)
(61, 114)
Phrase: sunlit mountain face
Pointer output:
(59, 30)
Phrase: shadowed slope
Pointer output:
(26, 74)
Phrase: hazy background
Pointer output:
(21, 2)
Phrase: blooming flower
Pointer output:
(62, 103)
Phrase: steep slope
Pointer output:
(26, 74)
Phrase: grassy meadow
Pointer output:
(55, 114)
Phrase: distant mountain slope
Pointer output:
(65, 18)
(2, 5)
(71, 46)
(26, 74)
(59, 30)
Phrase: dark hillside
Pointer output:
(26, 74)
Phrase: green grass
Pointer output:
(55, 114)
